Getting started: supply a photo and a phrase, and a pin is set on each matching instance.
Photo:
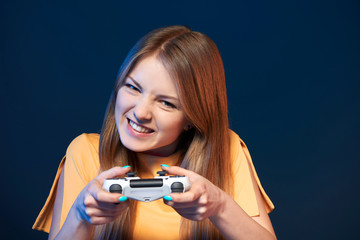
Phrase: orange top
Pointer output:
(154, 220)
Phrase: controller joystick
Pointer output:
(115, 188)
(131, 174)
(177, 187)
(162, 173)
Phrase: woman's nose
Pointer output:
(142, 111)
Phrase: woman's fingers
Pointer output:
(96, 205)
(97, 212)
(181, 206)
(101, 195)
(112, 173)
(102, 220)
(191, 196)
(179, 171)
(200, 202)
(111, 204)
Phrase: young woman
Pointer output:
(168, 112)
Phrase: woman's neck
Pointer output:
(150, 164)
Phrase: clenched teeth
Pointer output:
(138, 128)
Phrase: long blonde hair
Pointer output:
(193, 61)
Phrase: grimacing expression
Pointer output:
(148, 113)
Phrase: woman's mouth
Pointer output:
(139, 128)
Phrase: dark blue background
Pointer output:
(292, 71)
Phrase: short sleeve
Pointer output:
(244, 193)
(80, 166)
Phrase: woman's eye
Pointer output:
(132, 87)
(168, 104)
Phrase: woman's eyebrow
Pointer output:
(168, 97)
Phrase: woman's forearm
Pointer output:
(233, 222)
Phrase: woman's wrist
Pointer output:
(81, 222)
(222, 203)
(75, 227)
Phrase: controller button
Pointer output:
(115, 188)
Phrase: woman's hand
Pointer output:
(202, 201)
(97, 206)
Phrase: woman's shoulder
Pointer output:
(234, 138)
(237, 144)
(85, 141)
(243, 168)
(82, 155)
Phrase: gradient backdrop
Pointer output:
(293, 76)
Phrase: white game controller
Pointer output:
(147, 190)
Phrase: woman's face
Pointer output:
(148, 114)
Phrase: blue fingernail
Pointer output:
(122, 199)
(168, 198)
(126, 166)
(164, 165)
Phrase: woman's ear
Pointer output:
(188, 127)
